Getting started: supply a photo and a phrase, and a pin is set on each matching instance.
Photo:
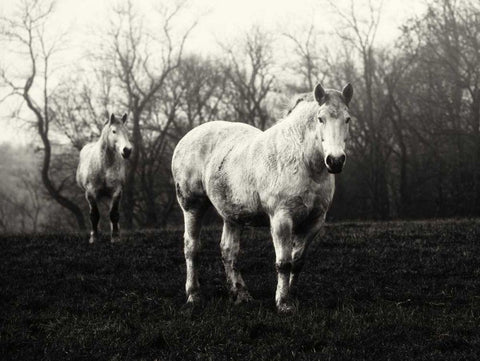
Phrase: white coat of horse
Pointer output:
(101, 172)
(281, 177)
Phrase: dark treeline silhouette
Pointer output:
(415, 135)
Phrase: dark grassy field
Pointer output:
(389, 291)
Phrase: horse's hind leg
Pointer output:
(193, 219)
(230, 246)
(115, 217)
(94, 217)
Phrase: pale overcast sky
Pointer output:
(221, 20)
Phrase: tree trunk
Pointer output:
(128, 198)
(42, 128)
(476, 156)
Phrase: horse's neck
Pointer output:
(107, 155)
(296, 141)
(289, 132)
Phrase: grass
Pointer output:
(377, 291)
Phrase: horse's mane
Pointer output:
(295, 100)
(331, 95)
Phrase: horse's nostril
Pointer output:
(335, 163)
(126, 152)
(329, 160)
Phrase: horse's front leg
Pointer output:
(230, 246)
(281, 228)
(301, 241)
(94, 217)
(115, 216)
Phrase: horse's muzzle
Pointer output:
(126, 152)
(335, 164)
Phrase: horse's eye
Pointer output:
(347, 120)
(114, 132)
(320, 120)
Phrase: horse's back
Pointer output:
(201, 147)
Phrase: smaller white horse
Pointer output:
(101, 172)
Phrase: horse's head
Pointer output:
(117, 136)
(332, 124)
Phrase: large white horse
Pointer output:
(280, 177)
(101, 172)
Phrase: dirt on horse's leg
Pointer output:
(94, 217)
(192, 245)
(115, 217)
(281, 225)
(301, 241)
(230, 246)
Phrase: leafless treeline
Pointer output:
(415, 144)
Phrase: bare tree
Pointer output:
(443, 106)
(307, 51)
(191, 95)
(251, 80)
(28, 30)
(360, 32)
(142, 73)
(21, 202)
(81, 105)
(203, 90)
(14, 214)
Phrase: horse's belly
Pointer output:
(245, 212)
(260, 219)
(237, 203)
(104, 185)
(105, 192)
(304, 201)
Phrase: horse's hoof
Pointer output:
(194, 305)
(194, 298)
(92, 240)
(243, 297)
(192, 309)
(286, 308)
(115, 239)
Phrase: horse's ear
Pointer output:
(348, 92)
(318, 93)
(107, 118)
(112, 118)
(124, 118)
